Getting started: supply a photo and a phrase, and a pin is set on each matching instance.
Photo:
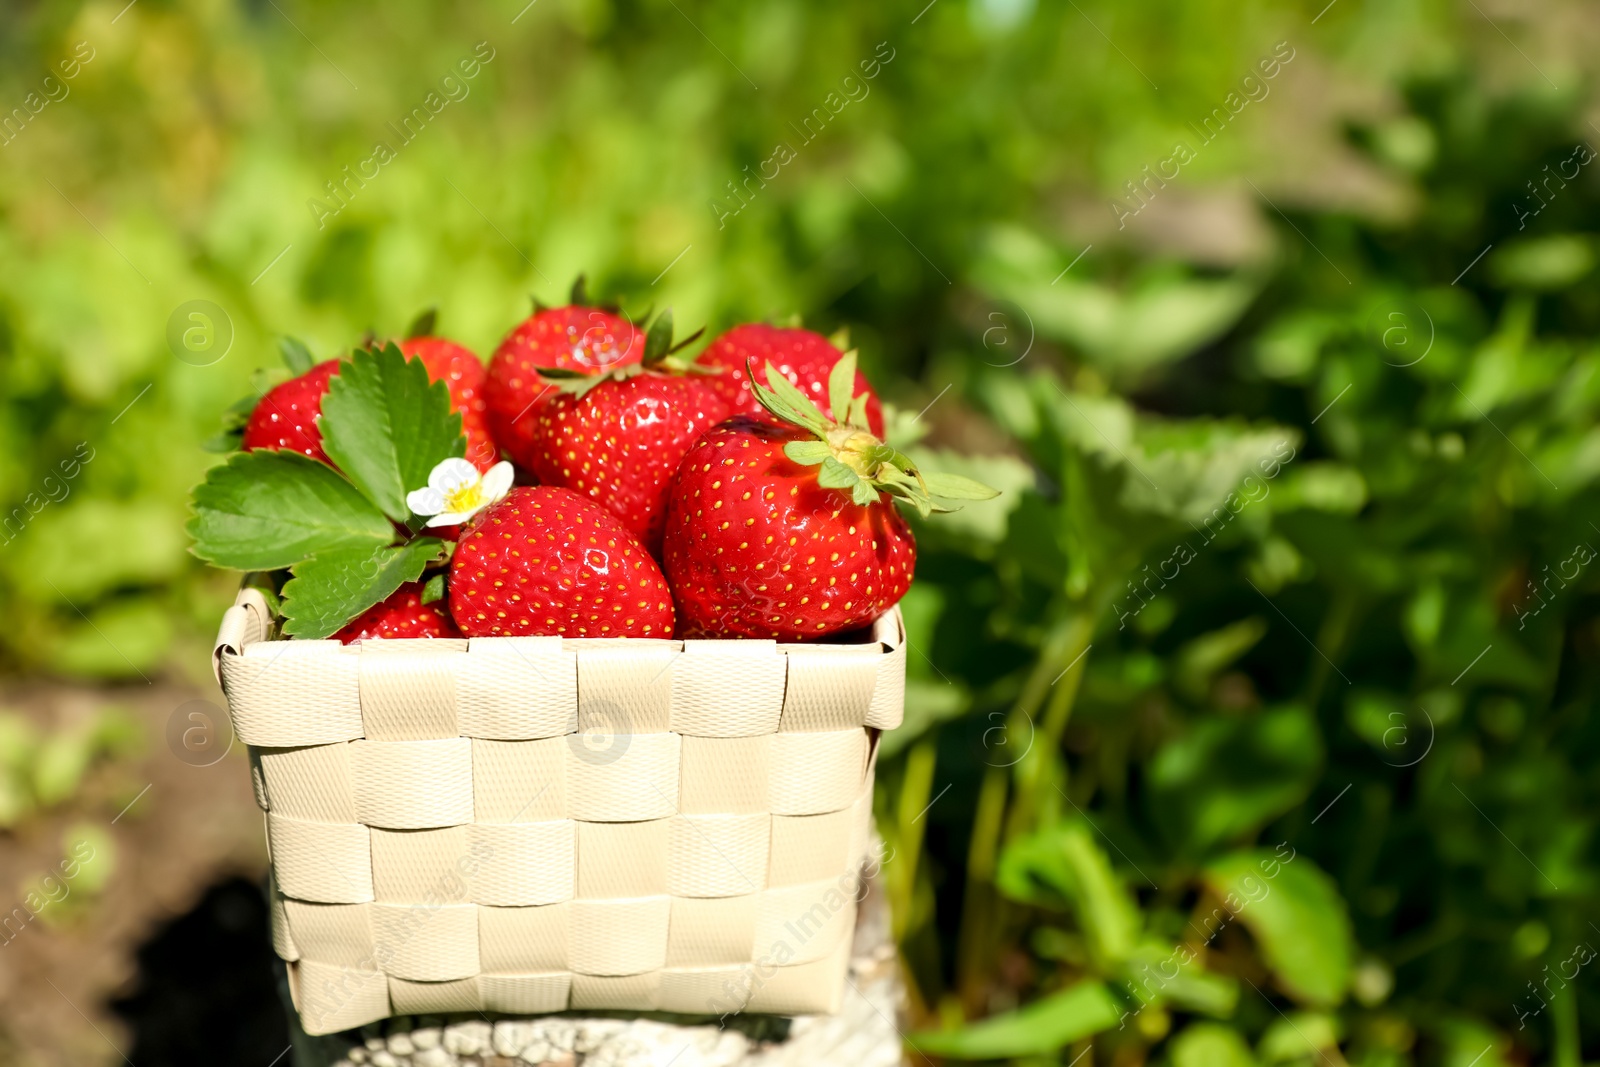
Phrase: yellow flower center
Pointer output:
(464, 498)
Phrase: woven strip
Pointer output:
(728, 688)
(408, 689)
(523, 940)
(520, 781)
(332, 933)
(535, 824)
(517, 689)
(310, 783)
(829, 687)
(525, 994)
(411, 785)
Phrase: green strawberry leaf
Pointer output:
(835, 475)
(423, 324)
(863, 493)
(857, 415)
(580, 291)
(296, 356)
(264, 510)
(658, 340)
(332, 588)
(223, 441)
(841, 386)
(808, 452)
(234, 420)
(957, 487)
(786, 401)
(433, 589)
(386, 426)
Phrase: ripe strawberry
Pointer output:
(618, 439)
(546, 561)
(789, 530)
(403, 614)
(803, 357)
(573, 338)
(287, 414)
(463, 372)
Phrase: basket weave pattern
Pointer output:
(533, 824)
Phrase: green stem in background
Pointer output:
(984, 913)
(1564, 1026)
(974, 946)
(901, 873)
(1331, 637)
(1037, 774)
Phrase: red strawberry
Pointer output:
(803, 357)
(573, 338)
(621, 441)
(402, 615)
(463, 373)
(546, 561)
(286, 416)
(789, 530)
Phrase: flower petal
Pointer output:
(451, 518)
(428, 501)
(452, 474)
(497, 481)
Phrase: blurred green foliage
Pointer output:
(40, 770)
(1251, 726)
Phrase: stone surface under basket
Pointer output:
(862, 1034)
(527, 825)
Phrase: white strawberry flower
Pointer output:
(456, 491)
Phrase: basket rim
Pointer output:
(249, 619)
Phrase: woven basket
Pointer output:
(533, 824)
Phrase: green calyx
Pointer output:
(851, 457)
(661, 355)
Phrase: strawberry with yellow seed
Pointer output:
(789, 530)
(544, 561)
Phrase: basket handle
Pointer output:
(247, 621)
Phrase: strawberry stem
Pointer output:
(849, 456)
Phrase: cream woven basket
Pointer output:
(533, 824)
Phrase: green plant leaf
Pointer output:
(296, 356)
(1298, 1037)
(1211, 1045)
(1043, 1026)
(1227, 777)
(1128, 330)
(265, 510)
(1296, 916)
(1200, 659)
(434, 589)
(1065, 865)
(386, 426)
(332, 588)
